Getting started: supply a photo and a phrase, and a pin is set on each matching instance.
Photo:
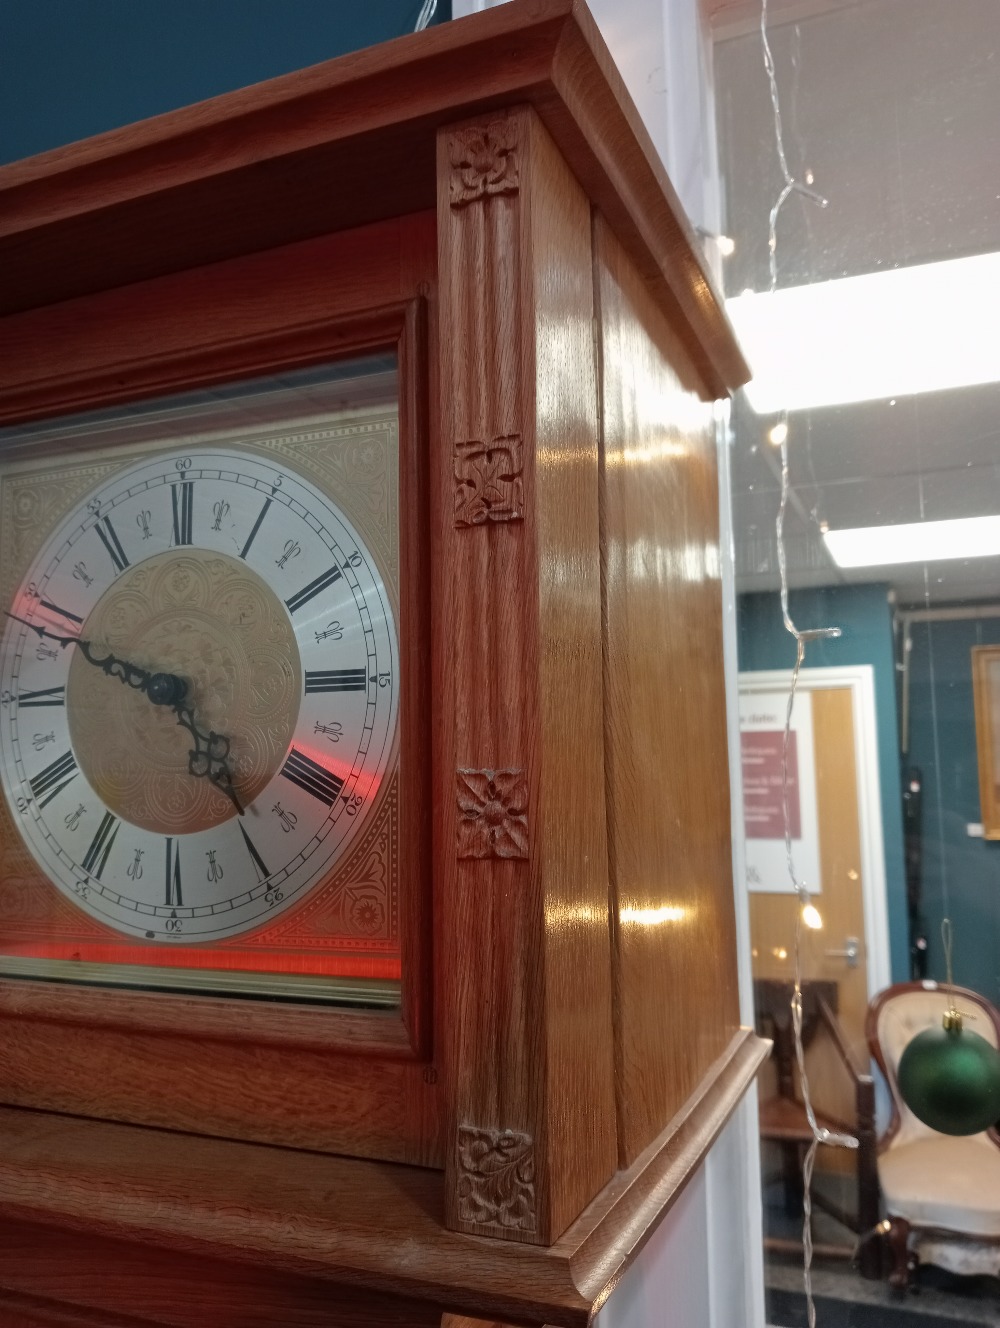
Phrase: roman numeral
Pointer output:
(173, 877)
(313, 588)
(311, 776)
(63, 613)
(110, 540)
(48, 696)
(53, 779)
(182, 497)
(100, 847)
(256, 526)
(258, 861)
(337, 680)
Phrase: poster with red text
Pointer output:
(777, 786)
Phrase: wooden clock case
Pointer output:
(483, 198)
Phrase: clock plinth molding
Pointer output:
(510, 235)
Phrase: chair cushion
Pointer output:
(947, 1182)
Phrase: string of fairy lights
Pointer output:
(427, 10)
(947, 1076)
(807, 916)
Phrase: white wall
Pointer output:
(703, 1266)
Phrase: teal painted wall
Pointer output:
(864, 615)
(961, 875)
(73, 68)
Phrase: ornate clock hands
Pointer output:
(210, 757)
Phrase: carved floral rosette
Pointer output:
(496, 1179)
(488, 481)
(483, 162)
(493, 814)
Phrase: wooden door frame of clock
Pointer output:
(304, 304)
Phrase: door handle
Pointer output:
(851, 951)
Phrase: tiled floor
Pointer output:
(846, 1300)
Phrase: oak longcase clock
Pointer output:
(366, 917)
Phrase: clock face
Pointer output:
(241, 584)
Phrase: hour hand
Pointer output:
(161, 688)
(209, 759)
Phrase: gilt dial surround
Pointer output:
(240, 578)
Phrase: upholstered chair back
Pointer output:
(898, 1016)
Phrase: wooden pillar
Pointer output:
(523, 848)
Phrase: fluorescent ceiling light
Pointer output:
(919, 542)
(886, 334)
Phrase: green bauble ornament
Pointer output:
(950, 1079)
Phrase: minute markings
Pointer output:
(253, 534)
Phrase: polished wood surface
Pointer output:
(301, 304)
(157, 1226)
(664, 714)
(238, 174)
(362, 1083)
(529, 1021)
(568, 1048)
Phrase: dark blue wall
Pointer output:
(961, 875)
(73, 68)
(864, 615)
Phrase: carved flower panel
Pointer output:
(488, 481)
(493, 814)
(483, 162)
(496, 1178)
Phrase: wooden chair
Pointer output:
(942, 1192)
(783, 1117)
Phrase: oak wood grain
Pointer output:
(31, 1311)
(290, 307)
(143, 1286)
(308, 1077)
(239, 174)
(151, 1224)
(529, 1020)
(483, 197)
(664, 709)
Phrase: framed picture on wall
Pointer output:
(986, 691)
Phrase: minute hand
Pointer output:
(210, 757)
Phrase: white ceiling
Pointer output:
(894, 106)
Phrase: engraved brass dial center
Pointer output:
(210, 620)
